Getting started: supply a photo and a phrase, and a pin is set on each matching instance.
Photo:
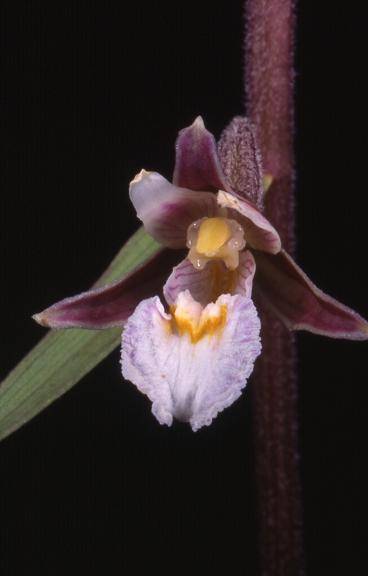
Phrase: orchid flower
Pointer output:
(192, 352)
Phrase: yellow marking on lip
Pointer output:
(208, 325)
(213, 233)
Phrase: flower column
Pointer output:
(269, 90)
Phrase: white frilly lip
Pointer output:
(191, 380)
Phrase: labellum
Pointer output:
(193, 352)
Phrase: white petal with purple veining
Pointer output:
(167, 210)
(245, 274)
(206, 285)
(191, 380)
(200, 283)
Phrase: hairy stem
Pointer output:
(269, 53)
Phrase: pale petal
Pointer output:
(258, 231)
(191, 380)
(215, 279)
(288, 291)
(110, 305)
(197, 165)
(166, 210)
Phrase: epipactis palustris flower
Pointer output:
(192, 351)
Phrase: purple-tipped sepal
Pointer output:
(111, 305)
(197, 165)
(288, 292)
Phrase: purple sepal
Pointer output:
(112, 304)
(288, 291)
(197, 165)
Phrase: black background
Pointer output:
(92, 92)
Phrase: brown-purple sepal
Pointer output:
(241, 160)
(288, 291)
(112, 304)
(197, 164)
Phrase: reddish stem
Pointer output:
(269, 78)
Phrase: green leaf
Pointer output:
(63, 357)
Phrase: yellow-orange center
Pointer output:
(197, 328)
(213, 233)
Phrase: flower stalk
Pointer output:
(269, 76)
